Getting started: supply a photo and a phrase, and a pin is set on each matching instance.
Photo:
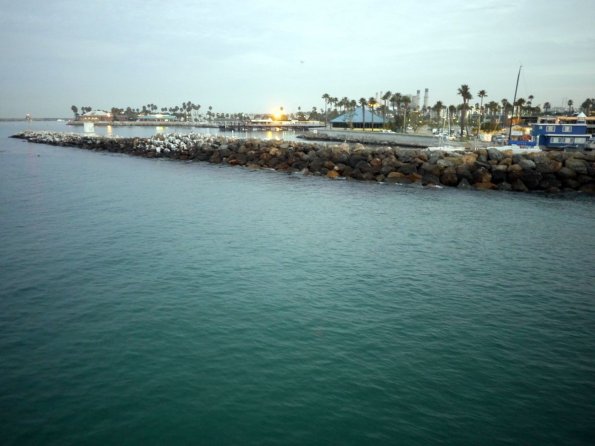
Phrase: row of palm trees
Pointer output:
(397, 101)
(188, 111)
(400, 106)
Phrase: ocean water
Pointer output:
(163, 302)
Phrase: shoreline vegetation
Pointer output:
(481, 169)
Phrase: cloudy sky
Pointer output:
(257, 55)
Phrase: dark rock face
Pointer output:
(551, 172)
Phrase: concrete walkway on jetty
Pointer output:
(390, 139)
(551, 172)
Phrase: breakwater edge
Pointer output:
(484, 169)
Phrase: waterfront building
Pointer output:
(357, 119)
(157, 117)
(96, 116)
(561, 132)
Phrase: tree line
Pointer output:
(398, 107)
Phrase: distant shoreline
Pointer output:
(146, 124)
(34, 119)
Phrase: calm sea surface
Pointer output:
(163, 302)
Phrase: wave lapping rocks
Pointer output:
(552, 172)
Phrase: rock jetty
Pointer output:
(490, 168)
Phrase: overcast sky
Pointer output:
(257, 55)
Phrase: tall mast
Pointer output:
(513, 101)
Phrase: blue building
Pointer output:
(361, 117)
(554, 133)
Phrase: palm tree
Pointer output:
(507, 108)
(75, 110)
(519, 104)
(363, 102)
(385, 97)
(326, 98)
(482, 94)
(530, 103)
(451, 113)
(466, 95)
(492, 107)
(437, 108)
(570, 102)
(351, 106)
(372, 102)
(344, 103)
(395, 101)
(405, 100)
(546, 107)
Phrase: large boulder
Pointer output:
(588, 188)
(495, 154)
(406, 156)
(531, 179)
(431, 169)
(407, 169)
(499, 173)
(566, 173)
(464, 184)
(376, 165)
(445, 162)
(526, 164)
(482, 175)
(545, 165)
(464, 172)
(485, 186)
(449, 177)
(469, 158)
(504, 186)
(397, 177)
(580, 166)
(428, 179)
(515, 171)
(364, 166)
(518, 186)
(549, 181)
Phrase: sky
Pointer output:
(255, 56)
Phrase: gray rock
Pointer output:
(531, 179)
(565, 173)
(580, 166)
(495, 154)
(464, 184)
(432, 169)
(527, 164)
(518, 186)
(449, 177)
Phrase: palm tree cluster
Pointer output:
(397, 107)
(186, 111)
(399, 104)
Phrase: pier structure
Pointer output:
(269, 125)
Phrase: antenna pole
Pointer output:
(513, 101)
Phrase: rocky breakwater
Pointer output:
(491, 168)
